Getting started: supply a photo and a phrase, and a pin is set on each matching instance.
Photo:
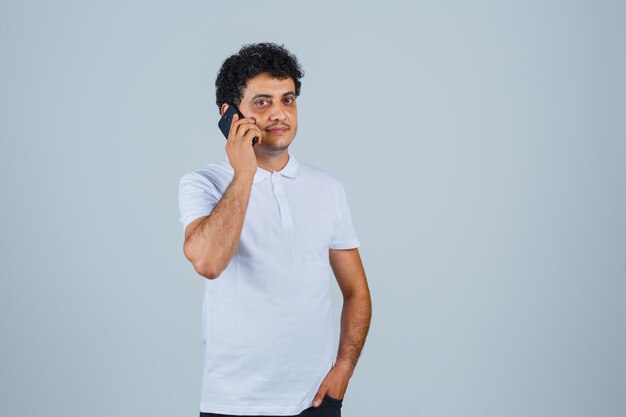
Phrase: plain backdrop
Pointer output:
(482, 146)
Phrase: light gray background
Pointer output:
(482, 146)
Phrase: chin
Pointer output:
(278, 143)
(278, 147)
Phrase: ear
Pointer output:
(223, 108)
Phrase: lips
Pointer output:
(281, 129)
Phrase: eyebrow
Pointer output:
(288, 93)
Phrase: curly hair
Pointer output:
(250, 61)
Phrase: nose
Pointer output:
(278, 112)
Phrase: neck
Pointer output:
(272, 162)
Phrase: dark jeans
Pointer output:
(330, 407)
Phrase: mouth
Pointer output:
(278, 130)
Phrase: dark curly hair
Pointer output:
(250, 61)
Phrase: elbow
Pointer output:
(358, 294)
(202, 266)
(206, 270)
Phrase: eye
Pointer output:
(261, 102)
(290, 100)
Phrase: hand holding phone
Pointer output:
(227, 119)
(240, 132)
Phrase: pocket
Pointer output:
(333, 401)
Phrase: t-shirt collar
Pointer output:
(290, 170)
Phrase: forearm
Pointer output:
(212, 244)
(355, 321)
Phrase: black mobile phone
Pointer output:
(227, 119)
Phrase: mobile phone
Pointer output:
(227, 119)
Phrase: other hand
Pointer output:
(335, 383)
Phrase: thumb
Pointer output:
(319, 397)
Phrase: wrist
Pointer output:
(244, 176)
(344, 365)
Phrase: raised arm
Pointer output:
(211, 241)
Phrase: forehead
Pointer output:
(266, 84)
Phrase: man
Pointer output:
(267, 230)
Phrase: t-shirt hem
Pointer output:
(251, 410)
(187, 221)
(345, 244)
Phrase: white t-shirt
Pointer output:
(267, 319)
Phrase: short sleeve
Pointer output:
(344, 236)
(197, 197)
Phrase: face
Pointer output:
(271, 102)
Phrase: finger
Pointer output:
(243, 132)
(250, 135)
(237, 126)
(243, 120)
(319, 397)
(233, 127)
(246, 129)
(243, 123)
(258, 131)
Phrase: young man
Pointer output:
(267, 230)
